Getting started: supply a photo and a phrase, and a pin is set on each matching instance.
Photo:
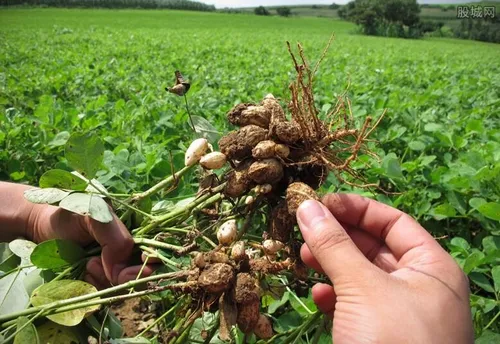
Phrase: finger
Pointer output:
(308, 258)
(373, 249)
(116, 243)
(92, 280)
(398, 230)
(329, 243)
(324, 297)
(96, 271)
(134, 272)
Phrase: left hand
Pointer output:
(49, 222)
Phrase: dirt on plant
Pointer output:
(135, 316)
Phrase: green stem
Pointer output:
(74, 300)
(492, 321)
(160, 256)
(64, 272)
(189, 114)
(295, 295)
(163, 316)
(157, 244)
(161, 185)
(319, 331)
(104, 301)
(187, 326)
(300, 330)
(125, 204)
(18, 268)
(10, 286)
(181, 212)
(29, 322)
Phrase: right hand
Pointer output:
(392, 282)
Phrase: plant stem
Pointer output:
(161, 185)
(319, 330)
(163, 316)
(181, 212)
(158, 244)
(492, 321)
(125, 204)
(81, 298)
(189, 114)
(160, 256)
(295, 295)
(29, 322)
(64, 272)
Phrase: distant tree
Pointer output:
(284, 11)
(261, 11)
(334, 6)
(383, 17)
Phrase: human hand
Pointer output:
(392, 282)
(49, 222)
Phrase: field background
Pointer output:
(63, 71)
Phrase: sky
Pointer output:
(254, 3)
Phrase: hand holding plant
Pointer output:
(392, 280)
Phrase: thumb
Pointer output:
(329, 243)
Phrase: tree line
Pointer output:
(401, 18)
(148, 4)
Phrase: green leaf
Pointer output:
(491, 244)
(62, 290)
(287, 321)
(491, 210)
(8, 260)
(482, 281)
(53, 333)
(28, 334)
(431, 127)
(36, 278)
(457, 201)
(22, 248)
(85, 153)
(427, 159)
(416, 145)
(205, 128)
(13, 296)
(273, 307)
(50, 195)
(476, 202)
(392, 168)
(63, 180)
(473, 261)
(60, 139)
(299, 308)
(495, 273)
(56, 253)
(459, 244)
(88, 205)
(443, 211)
(488, 337)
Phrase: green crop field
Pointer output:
(64, 71)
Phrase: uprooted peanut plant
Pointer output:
(224, 249)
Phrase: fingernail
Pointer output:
(310, 213)
(116, 272)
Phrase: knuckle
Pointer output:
(328, 238)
